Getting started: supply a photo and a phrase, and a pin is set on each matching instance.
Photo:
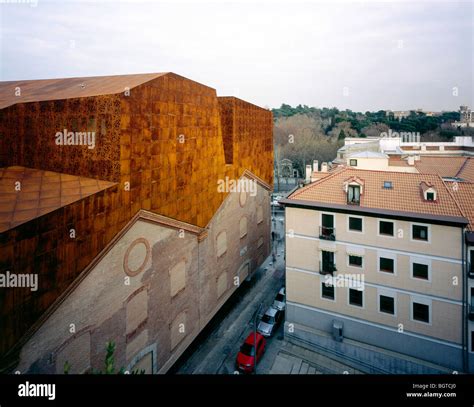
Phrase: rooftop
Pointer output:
(447, 167)
(40, 192)
(405, 194)
(368, 154)
(67, 88)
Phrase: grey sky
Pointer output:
(358, 55)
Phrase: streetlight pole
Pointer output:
(255, 337)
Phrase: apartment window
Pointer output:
(420, 271)
(387, 184)
(387, 304)
(356, 297)
(353, 195)
(420, 232)
(355, 224)
(355, 261)
(327, 291)
(353, 163)
(386, 265)
(327, 230)
(386, 228)
(421, 312)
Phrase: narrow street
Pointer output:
(215, 349)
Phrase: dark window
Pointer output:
(421, 312)
(386, 265)
(471, 261)
(472, 341)
(327, 225)
(420, 271)
(327, 291)
(420, 232)
(387, 184)
(355, 224)
(387, 304)
(430, 196)
(355, 297)
(355, 261)
(386, 228)
(353, 163)
(328, 265)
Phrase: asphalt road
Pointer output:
(215, 349)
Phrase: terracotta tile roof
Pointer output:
(397, 161)
(463, 192)
(467, 170)
(442, 166)
(41, 192)
(66, 88)
(404, 196)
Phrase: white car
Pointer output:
(270, 321)
(280, 300)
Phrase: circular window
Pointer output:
(136, 257)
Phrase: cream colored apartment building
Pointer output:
(377, 270)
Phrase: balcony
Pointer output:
(327, 233)
(353, 201)
(471, 310)
(470, 270)
(327, 268)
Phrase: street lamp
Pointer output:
(255, 337)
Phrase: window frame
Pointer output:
(351, 160)
(321, 292)
(390, 256)
(349, 224)
(419, 260)
(421, 301)
(355, 265)
(428, 233)
(349, 298)
(391, 294)
(393, 235)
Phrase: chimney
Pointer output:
(411, 160)
(324, 167)
(308, 173)
(315, 166)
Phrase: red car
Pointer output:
(245, 358)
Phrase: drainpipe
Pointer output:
(464, 305)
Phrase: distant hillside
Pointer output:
(360, 122)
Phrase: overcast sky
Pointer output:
(362, 55)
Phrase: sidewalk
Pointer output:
(294, 359)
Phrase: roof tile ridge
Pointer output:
(313, 184)
(453, 197)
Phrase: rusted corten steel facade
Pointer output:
(165, 143)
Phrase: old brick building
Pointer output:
(131, 240)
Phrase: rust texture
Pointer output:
(171, 139)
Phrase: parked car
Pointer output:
(280, 300)
(246, 357)
(270, 321)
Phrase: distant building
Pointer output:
(466, 117)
